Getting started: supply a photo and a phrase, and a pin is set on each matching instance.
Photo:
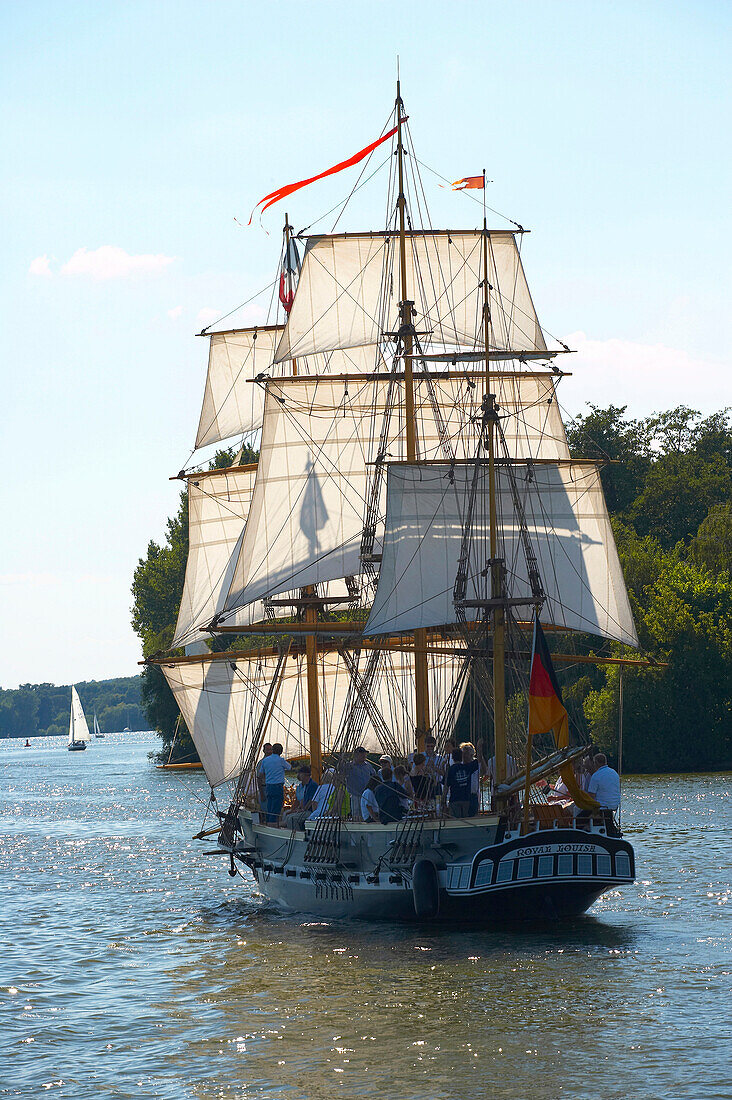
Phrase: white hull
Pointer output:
(468, 870)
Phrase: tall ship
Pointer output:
(386, 571)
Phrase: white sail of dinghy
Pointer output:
(320, 441)
(78, 728)
(567, 524)
(349, 290)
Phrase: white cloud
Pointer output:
(175, 312)
(207, 316)
(110, 262)
(40, 266)
(645, 377)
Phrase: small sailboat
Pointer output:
(97, 732)
(78, 728)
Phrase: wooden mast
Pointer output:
(309, 602)
(497, 593)
(422, 701)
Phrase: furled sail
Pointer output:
(221, 700)
(349, 288)
(218, 506)
(232, 403)
(569, 529)
(319, 441)
(78, 728)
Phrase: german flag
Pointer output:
(547, 711)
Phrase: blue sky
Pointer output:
(134, 134)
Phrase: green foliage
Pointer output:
(677, 718)
(713, 543)
(606, 435)
(35, 710)
(672, 517)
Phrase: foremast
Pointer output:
(406, 332)
(310, 609)
(496, 563)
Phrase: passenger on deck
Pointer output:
(604, 784)
(423, 784)
(389, 795)
(304, 795)
(358, 774)
(323, 795)
(267, 751)
(476, 766)
(273, 769)
(433, 762)
(369, 805)
(458, 785)
(401, 777)
(385, 762)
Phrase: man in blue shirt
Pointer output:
(272, 770)
(304, 795)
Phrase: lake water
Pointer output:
(133, 966)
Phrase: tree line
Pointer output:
(42, 710)
(667, 480)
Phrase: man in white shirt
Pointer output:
(369, 805)
(604, 784)
(272, 769)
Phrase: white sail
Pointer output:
(349, 289)
(569, 530)
(221, 702)
(233, 403)
(218, 506)
(319, 441)
(78, 729)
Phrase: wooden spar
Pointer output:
(419, 375)
(499, 632)
(247, 467)
(396, 644)
(421, 682)
(311, 661)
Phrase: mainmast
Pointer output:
(496, 563)
(309, 603)
(406, 329)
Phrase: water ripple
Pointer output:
(133, 966)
